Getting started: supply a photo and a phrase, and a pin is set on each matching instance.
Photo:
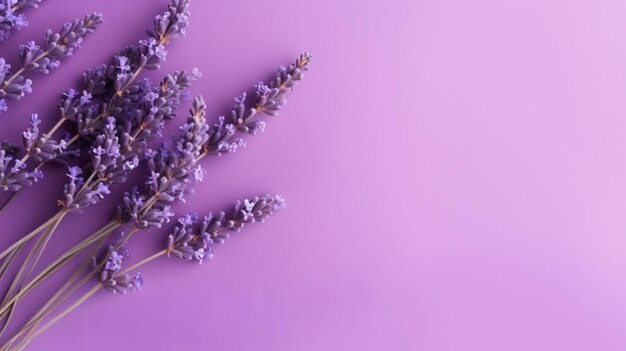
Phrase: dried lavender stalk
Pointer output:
(195, 243)
(11, 16)
(107, 91)
(34, 58)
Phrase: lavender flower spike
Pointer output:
(10, 16)
(44, 59)
(191, 240)
(269, 100)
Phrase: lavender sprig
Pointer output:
(189, 240)
(269, 99)
(34, 58)
(192, 239)
(11, 17)
(148, 54)
(13, 172)
(112, 279)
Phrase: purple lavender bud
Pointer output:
(114, 282)
(136, 283)
(24, 4)
(38, 146)
(78, 194)
(191, 241)
(13, 172)
(172, 23)
(114, 262)
(10, 16)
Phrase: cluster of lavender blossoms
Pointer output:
(111, 278)
(192, 239)
(11, 16)
(110, 90)
(123, 141)
(13, 172)
(43, 59)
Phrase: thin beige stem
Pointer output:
(51, 304)
(16, 284)
(30, 235)
(141, 263)
(54, 301)
(54, 320)
(60, 262)
(43, 245)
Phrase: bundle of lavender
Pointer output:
(12, 15)
(113, 119)
(174, 169)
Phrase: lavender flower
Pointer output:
(112, 280)
(10, 16)
(78, 194)
(41, 147)
(172, 23)
(44, 59)
(150, 52)
(269, 99)
(13, 172)
(190, 240)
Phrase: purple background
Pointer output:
(455, 172)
